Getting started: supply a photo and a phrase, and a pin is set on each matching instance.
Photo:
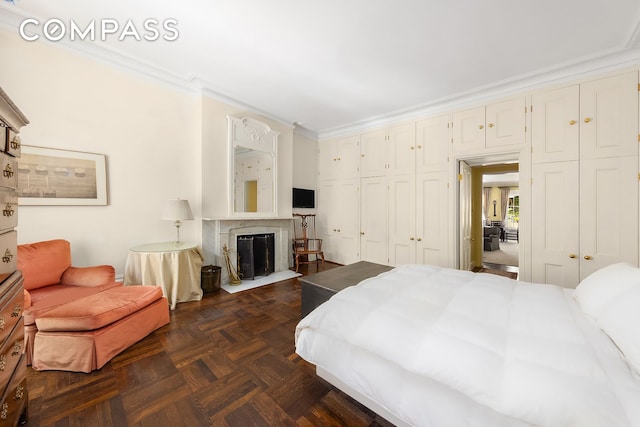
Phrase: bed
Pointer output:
(429, 346)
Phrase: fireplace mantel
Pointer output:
(218, 232)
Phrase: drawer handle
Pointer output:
(15, 143)
(3, 363)
(8, 210)
(17, 309)
(8, 171)
(5, 411)
(1, 322)
(17, 349)
(7, 256)
(19, 393)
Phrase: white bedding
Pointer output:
(446, 347)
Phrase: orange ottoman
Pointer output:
(84, 334)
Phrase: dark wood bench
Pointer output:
(318, 288)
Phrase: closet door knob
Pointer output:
(588, 257)
(572, 122)
(419, 239)
(587, 120)
(411, 238)
(480, 127)
(490, 125)
(572, 255)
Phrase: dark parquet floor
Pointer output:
(227, 360)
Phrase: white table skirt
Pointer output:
(176, 269)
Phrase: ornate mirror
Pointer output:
(253, 152)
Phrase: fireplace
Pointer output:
(256, 255)
(220, 232)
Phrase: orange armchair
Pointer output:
(50, 281)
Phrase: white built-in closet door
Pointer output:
(327, 218)
(348, 230)
(374, 242)
(402, 219)
(608, 213)
(373, 153)
(432, 144)
(468, 130)
(402, 149)
(506, 122)
(431, 221)
(609, 117)
(554, 221)
(555, 127)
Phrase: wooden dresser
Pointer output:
(13, 364)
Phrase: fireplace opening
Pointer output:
(256, 255)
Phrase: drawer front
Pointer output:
(11, 308)
(9, 208)
(15, 396)
(11, 352)
(8, 254)
(8, 171)
(14, 145)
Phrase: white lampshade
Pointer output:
(177, 210)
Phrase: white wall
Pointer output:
(160, 143)
(305, 165)
(149, 132)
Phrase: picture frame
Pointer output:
(51, 176)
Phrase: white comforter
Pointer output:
(497, 351)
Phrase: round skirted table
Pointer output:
(175, 267)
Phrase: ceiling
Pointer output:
(328, 66)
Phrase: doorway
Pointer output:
(501, 219)
(490, 206)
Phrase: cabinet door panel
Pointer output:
(349, 157)
(468, 130)
(554, 220)
(402, 219)
(348, 230)
(555, 128)
(373, 154)
(431, 221)
(506, 122)
(432, 143)
(374, 226)
(327, 159)
(402, 150)
(609, 117)
(608, 213)
(326, 217)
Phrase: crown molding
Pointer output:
(103, 53)
(583, 68)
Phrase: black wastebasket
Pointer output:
(210, 278)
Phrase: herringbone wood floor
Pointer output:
(227, 360)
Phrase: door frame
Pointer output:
(489, 157)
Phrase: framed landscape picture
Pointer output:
(48, 176)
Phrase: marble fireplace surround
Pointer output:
(218, 232)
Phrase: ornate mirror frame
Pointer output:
(251, 135)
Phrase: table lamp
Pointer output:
(177, 210)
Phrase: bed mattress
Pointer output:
(437, 346)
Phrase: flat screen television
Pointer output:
(304, 198)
